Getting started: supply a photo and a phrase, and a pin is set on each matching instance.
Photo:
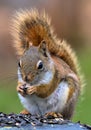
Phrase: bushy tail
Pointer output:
(30, 27)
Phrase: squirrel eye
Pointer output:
(40, 65)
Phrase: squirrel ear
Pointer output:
(43, 48)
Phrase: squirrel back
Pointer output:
(31, 27)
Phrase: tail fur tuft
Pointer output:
(30, 27)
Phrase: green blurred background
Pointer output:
(72, 21)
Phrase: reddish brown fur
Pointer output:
(30, 27)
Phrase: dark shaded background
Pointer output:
(72, 21)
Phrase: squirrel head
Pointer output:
(36, 65)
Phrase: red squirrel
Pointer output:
(48, 71)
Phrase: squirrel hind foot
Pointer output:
(25, 112)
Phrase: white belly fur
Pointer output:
(55, 102)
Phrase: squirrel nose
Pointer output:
(28, 78)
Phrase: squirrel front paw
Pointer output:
(31, 90)
(24, 90)
(21, 88)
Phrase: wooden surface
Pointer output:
(70, 126)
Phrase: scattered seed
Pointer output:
(18, 120)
